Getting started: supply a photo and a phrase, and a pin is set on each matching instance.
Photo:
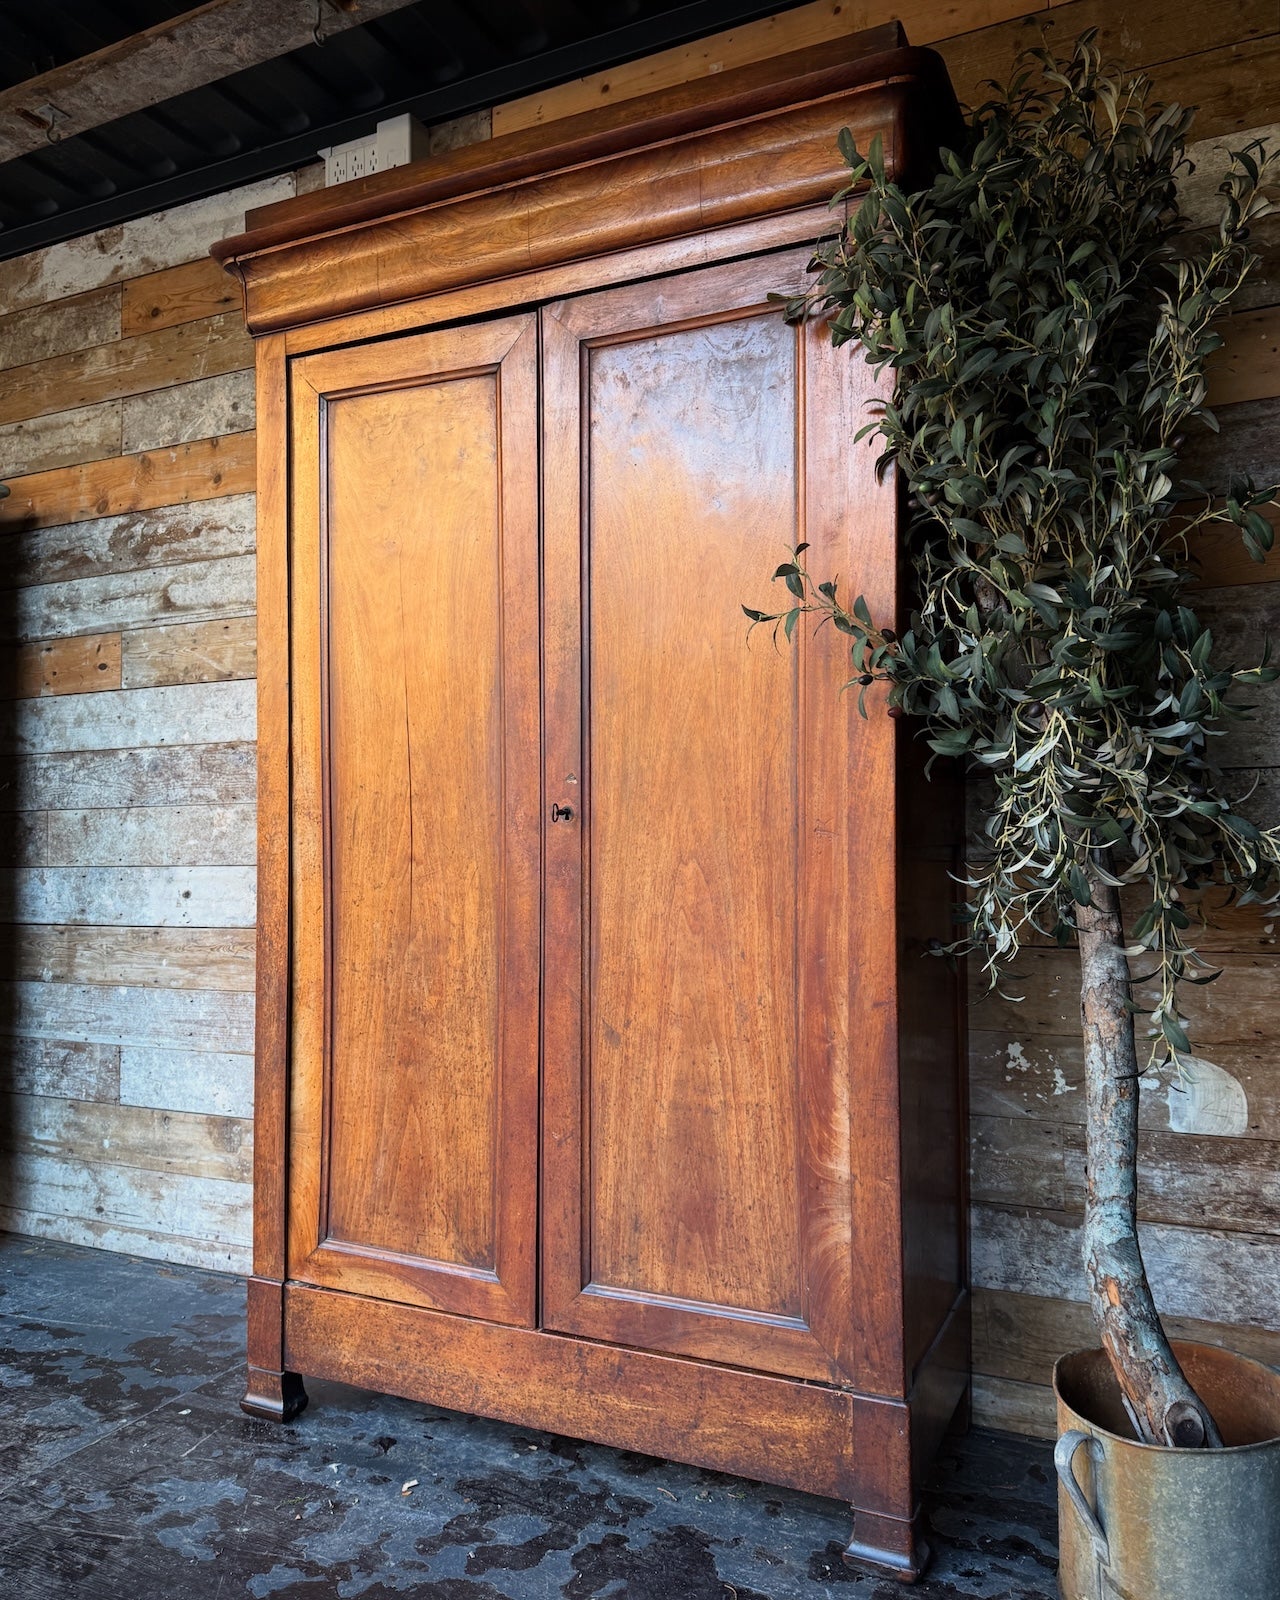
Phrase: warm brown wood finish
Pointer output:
(604, 1084)
(666, 166)
(415, 1102)
(707, 863)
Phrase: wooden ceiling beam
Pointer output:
(199, 47)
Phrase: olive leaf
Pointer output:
(1046, 315)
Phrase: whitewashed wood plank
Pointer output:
(60, 1067)
(60, 439)
(212, 1255)
(168, 1141)
(217, 1085)
(58, 328)
(205, 409)
(194, 591)
(153, 836)
(132, 897)
(135, 541)
(163, 239)
(163, 958)
(132, 1197)
(166, 775)
(174, 1019)
(128, 719)
(1195, 1272)
(24, 839)
(1042, 1077)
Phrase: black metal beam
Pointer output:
(437, 104)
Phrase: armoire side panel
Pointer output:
(426, 670)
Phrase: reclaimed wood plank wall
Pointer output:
(126, 740)
(126, 768)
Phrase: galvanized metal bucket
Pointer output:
(1142, 1522)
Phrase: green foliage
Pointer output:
(1047, 316)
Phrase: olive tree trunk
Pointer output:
(1161, 1403)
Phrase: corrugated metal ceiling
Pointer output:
(437, 59)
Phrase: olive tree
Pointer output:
(1047, 315)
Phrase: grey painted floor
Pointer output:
(128, 1472)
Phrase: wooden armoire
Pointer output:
(604, 1082)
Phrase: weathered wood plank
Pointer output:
(213, 1256)
(127, 367)
(84, 665)
(93, 1013)
(153, 897)
(1017, 1161)
(1013, 1407)
(215, 1085)
(1248, 365)
(178, 294)
(133, 1198)
(139, 957)
(1020, 1336)
(205, 470)
(1192, 1181)
(190, 652)
(205, 713)
(1195, 1181)
(1210, 160)
(198, 46)
(132, 542)
(153, 836)
(1042, 1077)
(1238, 1008)
(167, 1141)
(199, 713)
(60, 439)
(24, 839)
(1222, 559)
(198, 410)
(164, 776)
(1219, 923)
(71, 1071)
(144, 245)
(192, 591)
(926, 22)
(1195, 1272)
(1232, 88)
(1177, 43)
(1247, 444)
(65, 325)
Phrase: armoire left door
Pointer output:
(416, 820)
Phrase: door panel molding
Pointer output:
(838, 506)
(415, 970)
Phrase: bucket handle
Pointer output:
(1063, 1456)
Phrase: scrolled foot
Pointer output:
(887, 1546)
(277, 1396)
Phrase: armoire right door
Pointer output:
(699, 1078)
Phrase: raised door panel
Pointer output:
(414, 1114)
(697, 1140)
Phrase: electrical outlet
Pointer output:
(395, 142)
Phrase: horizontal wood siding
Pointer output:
(127, 761)
(126, 740)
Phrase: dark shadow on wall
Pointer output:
(20, 843)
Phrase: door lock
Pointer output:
(561, 813)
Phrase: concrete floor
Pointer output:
(128, 1472)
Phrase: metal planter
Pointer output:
(1142, 1522)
